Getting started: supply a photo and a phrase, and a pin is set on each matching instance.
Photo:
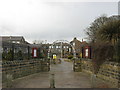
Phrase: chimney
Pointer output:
(75, 38)
(10, 37)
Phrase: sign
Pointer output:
(34, 52)
(86, 52)
(54, 56)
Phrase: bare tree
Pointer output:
(94, 27)
(38, 42)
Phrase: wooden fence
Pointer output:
(23, 68)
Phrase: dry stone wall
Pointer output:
(109, 71)
(23, 68)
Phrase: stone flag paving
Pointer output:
(64, 77)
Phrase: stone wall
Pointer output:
(108, 72)
(77, 65)
(23, 68)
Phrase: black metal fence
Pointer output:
(14, 51)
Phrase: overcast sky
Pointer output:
(51, 19)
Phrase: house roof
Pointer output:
(36, 45)
(15, 38)
(75, 40)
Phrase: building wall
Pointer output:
(76, 44)
(56, 49)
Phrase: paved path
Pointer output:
(64, 78)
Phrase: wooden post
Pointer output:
(93, 76)
(52, 81)
(12, 51)
(80, 65)
(28, 52)
(74, 64)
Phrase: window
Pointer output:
(54, 46)
(51, 46)
(69, 49)
(18, 42)
(13, 41)
(73, 43)
(57, 46)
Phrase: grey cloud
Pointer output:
(51, 20)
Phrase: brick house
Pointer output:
(78, 46)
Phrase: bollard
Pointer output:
(9, 78)
(93, 78)
(52, 81)
(54, 61)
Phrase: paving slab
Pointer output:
(64, 77)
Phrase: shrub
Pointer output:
(70, 57)
(9, 55)
(101, 52)
(4, 56)
(20, 55)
